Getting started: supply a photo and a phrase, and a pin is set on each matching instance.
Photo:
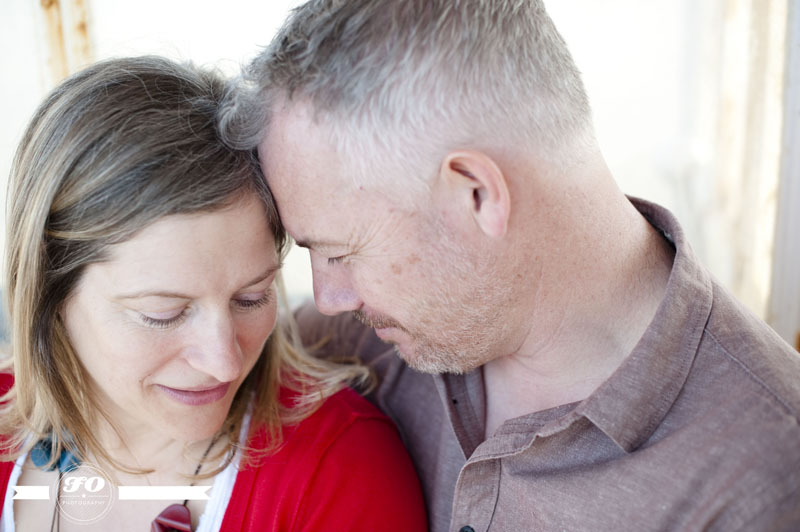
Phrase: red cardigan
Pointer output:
(343, 468)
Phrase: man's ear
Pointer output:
(476, 182)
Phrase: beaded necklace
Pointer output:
(175, 517)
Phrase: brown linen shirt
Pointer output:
(696, 430)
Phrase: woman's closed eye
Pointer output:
(167, 319)
(253, 301)
(163, 320)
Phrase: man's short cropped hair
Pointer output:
(402, 82)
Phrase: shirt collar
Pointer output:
(634, 400)
(631, 404)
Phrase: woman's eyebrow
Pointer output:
(270, 271)
(179, 295)
(153, 293)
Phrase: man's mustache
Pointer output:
(377, 321)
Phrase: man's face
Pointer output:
(401, 269)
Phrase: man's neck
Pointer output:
(578, 341)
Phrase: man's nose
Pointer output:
(333, 288)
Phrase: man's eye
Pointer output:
(335, 260)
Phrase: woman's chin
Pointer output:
(187, 422)
(198, 425)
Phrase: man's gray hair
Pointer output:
(400, 83)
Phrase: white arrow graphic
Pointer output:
(126, 493)
(163, 493)
(41, 493)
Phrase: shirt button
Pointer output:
(467, 529)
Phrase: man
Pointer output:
(573, 367)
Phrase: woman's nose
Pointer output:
(217, 352)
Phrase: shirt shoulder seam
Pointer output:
(753, 376)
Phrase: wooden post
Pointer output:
(68, 44)
(748, 153)
(784, 305)
(76, 34)
(55, 54)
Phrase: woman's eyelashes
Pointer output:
(242, 303)
(162, 323)
(248, 303)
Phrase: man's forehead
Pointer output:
(292, 121)
(296, 150)
(319, 208)
(322, 206)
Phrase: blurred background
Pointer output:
(696, 105)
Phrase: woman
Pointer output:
(142, 286)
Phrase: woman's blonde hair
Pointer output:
(113, 149)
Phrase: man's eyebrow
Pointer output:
(178, 295)
(315, 244)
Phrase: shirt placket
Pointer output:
(476, 494)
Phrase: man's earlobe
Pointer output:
(477, 179)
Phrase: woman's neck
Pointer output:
(167, 461)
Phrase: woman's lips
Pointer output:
(196, 397)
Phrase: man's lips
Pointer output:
(386, 333)
(196, 396)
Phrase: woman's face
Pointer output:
(170, 326)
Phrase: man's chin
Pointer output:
(404, 349)
(416, 364)
(431, 362)
(421, 356)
